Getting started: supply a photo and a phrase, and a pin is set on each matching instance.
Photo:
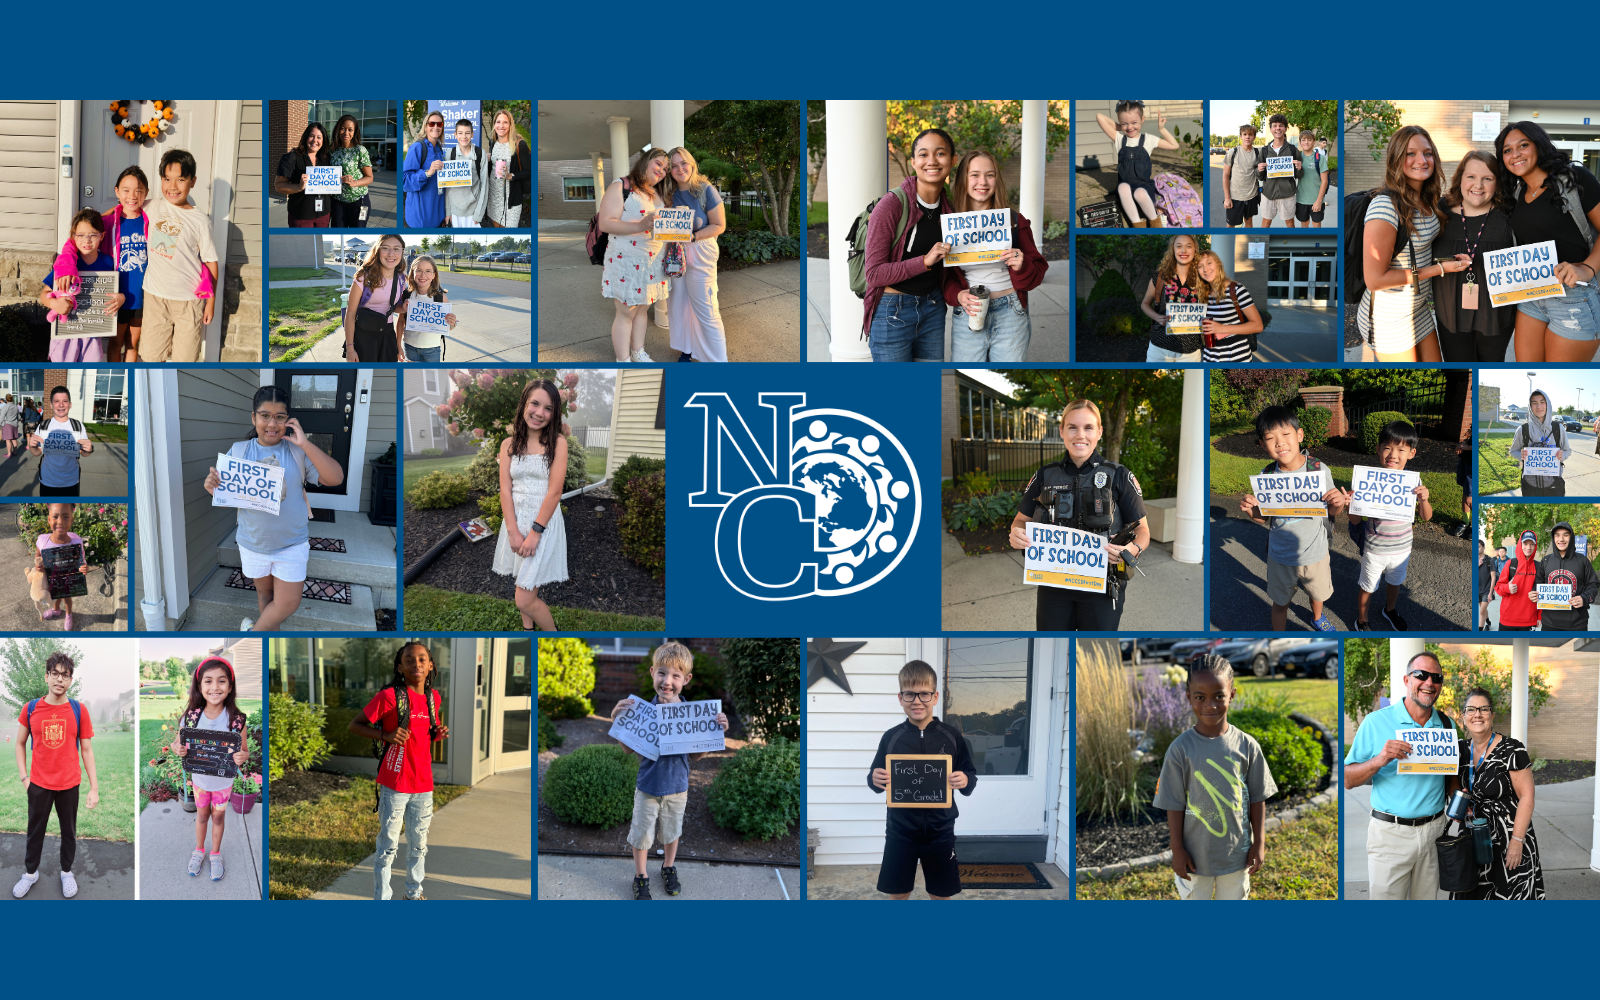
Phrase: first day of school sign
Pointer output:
(976, 237)
(1064, 557)
(248, 485)
(1433, 751)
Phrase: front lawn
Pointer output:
(112, 819)
(108, 432)
(482, 273)
(1498, 472)
(1316, 698)
(299, 273)
(297, 318)
(416, 468)
(430, 609)
(818, 212)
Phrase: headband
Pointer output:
(211, 661)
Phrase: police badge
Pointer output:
(1100, 479)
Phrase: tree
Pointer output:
(1381, 119)
(1320, 115)
(177, 673)
(22, 670)
(1366, 675)
(414, 113)
(1138, 408)
(1511, 520)
(595, 393)
(995, 126)
(762, 138)
(423, 246)
(474, 247)
(1136, 258)
(816, 144)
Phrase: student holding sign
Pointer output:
(1280, 181)
(81, 252)
(1554, 199)
(1540, 445)
(694, 314)
(1177, 280)
(633, 277)
(464, 202)
(59, 444)
(921, 836)
(423, 342)
(1003, 327)
(377, 295)
(274, 548)
(1389, 507)
(1232, 320)
(903, 308)
(60, 536)
(212, 707)
(313, 211)
(1563, 565)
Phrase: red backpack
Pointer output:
(596, 241)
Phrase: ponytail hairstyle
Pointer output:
(197, 701)
(552, 430)
(266, 394)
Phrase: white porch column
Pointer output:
(1189, 544)
(1031, 200)
(858, 172)
(666, 124)
(597, 161)
(1519, 690)
(1400, 653)
(619, 149)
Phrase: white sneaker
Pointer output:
(196, 859)
(639, 355)
(246, 624)
(24, 884)
(69, 885)
(216, 868)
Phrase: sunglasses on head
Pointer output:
(1423, 675)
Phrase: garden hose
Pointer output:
(415, 569)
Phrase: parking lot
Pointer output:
(1286, 657)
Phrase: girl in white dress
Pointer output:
(533, 538)
(633, 275)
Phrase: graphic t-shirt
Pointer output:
(54, 734)
(132, 258)
(210, 782)
(408, 766)
(59, 466)
(179, 241)
(1214, 781)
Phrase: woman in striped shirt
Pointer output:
(1231, 314)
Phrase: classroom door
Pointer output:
(1000, 700)
(331, 405)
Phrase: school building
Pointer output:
(99, 395)
(188, 556)
(585, 145)
(485, 688)
(287, 121)
(1457, 126)
(1284, 268)
(57, 157)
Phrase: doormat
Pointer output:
(327, 545)
(323, 514)
(992, 876)
(316, 590)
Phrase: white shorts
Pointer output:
(1390, 566)
(1235, 885)
(286, 564)
(1278, 208)
(464, 222)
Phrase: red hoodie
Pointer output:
(1516, 609)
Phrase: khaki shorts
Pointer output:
(1232, 886)
(1317, 579)
(649, 811)
(172, 330)
(1278, 208)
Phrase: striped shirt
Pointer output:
(1398, 318)
(1388, 538)
(1222, 311)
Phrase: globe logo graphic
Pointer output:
(868, 501)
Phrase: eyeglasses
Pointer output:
(86, 237)
(272, 418)
(1476, 710)
(1423, 675)
(57, 673)
(923, 696)
(393, 250)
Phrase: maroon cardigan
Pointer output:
(884, 268)
(1029, 275)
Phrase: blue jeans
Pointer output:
(1004, 337)
(908, 328)
(426, 355)
(1574, 317)
(416, 809)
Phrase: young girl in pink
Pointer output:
(211, 706)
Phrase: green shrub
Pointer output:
(763, 680)
(634, 467)
(644, 522)
(1111, 285)
(977, 481)
(484, 472)
(1316, 421)
(1055, 230)
(709, 679)
(298, 741)
(431, 453)
(1293, 754)
(990, 510)
(489, 507)
(592, 785)
(756, 794)
(438, 490)
(577, 466)
(566, 677)
(1115, 318)
(758, 246)
(102, 526)
(1372, 427)
(1266, 317)
(549, 739)
(1227, 405)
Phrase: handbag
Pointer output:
(1458, 861)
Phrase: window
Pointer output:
(988, 697)
(108, 389)
(29, 380)
(577, 189)
(343, 675)
(963, 412)
(430, 381)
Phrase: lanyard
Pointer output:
(1472, 244)
(1473, 761)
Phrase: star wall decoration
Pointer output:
(826, 658)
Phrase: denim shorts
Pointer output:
(1573, 317)
(1004, 337)
(909, 328)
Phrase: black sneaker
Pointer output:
(1362, 626)
(1392, 616)
(641, 887)
(669, 876)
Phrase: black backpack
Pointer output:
(1355, 219)
(597, 238)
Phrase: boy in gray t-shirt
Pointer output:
(1297, 548)
(1214, 786)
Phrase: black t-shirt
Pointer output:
(928, 232)
(1490, 231)
(1130, 502)
(302, 206)
(1546, 217)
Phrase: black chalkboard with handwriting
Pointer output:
(918, 780)
(211, 752)
(1100, 215)
(61, 564)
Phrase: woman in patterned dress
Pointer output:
(1497, 773)
(633, 275)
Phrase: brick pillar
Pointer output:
(1457, 402)
(1330, 397)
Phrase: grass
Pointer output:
(298, 318)
(112, 819)
(1497, 471)
(1316, 698)
(416, 468)
(299, 273)
(480, 272)
(429, 609)
(1230, 475)
(313, 843)
(818, 212)
(108, 432)
(157, 703)
(1302, 863)
(596, 463)
(1108, 774)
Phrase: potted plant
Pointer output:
(383, 507)
(246, 790)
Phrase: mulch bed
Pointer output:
(1432, 455)
(817, 241)
(1059, 248)
(1100, 843)
(1099, 347)
(603, 579)
(305, 786)
(703, 839)
(979, 542)
(1556, 771)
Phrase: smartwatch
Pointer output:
(538, 528)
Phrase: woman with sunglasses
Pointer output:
(424, 201)
(1496, 772)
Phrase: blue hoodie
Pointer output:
(424, 200)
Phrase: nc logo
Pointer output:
(846, 481)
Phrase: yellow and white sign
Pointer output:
(1522, 274)
(455, 173)
(1292, 494)
(1064, 557)
(976, 237)
(1280, 166)
(1554, 596)
(673, 225)
(1184, 317)
(1433, 751)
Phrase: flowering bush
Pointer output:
(485, 400)
(1161, 708)
(102, 526)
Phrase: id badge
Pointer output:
(1469, 295)
(317, 205)
(363, 216)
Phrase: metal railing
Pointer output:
(1422, 406)
(1008, 462)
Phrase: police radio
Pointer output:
(1078, 506)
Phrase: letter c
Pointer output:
(730, 544)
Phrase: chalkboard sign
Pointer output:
(90, 317)
(61, 564)
(211, 751)
(918, 780)
(1100, 215)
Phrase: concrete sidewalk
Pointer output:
(1300, 333)
(861, 882)
(166, 839)
(1562, 822)
(986, 593)
(101, 473)
(1218, 216)
(381, 216)
(103, 609)
(103, 868)
(493, 323)
(480, 846)
(760, 306)
(566, 876)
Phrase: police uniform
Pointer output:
(1111, 487)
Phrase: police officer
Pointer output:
(1086, 492)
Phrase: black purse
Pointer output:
(1458, 860)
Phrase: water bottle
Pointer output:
(1482, 843)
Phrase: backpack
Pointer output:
(857, 238)
(1177, 200)
(1355, 220)
(1568, 192)
(596, 240)
(77, 713)
(402, 707)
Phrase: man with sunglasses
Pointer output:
(1407, 809)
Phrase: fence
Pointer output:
(595, 437)
(1423, 406)
(1008, 462)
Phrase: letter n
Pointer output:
(722, 419)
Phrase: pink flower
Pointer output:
(453, 427)
(570, 380)
(477, 432)
(485, 380)
(443, 409)
(456, 399)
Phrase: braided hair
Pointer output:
(398, 681)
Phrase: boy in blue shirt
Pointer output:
(59, 443)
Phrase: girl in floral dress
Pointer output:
(633, 276)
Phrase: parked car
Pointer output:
(489, 256)
(1186, 650)
(1317, 658)
(1258, 656)
(1573, 425)
(523, 258)
(1156, 650)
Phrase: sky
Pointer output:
(107, 668)
(1560, 384)
(1227, 116)
(182, 646)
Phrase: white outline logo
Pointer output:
(839, 459)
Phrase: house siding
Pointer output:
(381, 419)
(214, 412)
(29, 167)
(1090, 141)
(633, 418)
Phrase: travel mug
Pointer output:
(976, 321)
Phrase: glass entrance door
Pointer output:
(1586, 153)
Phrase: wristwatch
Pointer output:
(538, 528)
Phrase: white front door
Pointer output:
(511, 705)
(104, 154)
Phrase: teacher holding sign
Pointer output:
(1088, 494)
(1552, 198)
(694, 317)
(1540, 445)
(306, 210)
(991, 294)
(1407, 809)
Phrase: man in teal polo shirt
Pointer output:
(1407, 809)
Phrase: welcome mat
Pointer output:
(993, 876)
(316, 590)
(323, 514)
(327, 545)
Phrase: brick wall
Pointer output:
(285, 121)
(1448, 122)
(614, 674)
(552, 204)
(1330, 397)
(1564, 728)
(1458, 403)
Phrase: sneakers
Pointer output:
(1323, 623)
(66, 623)
(216, 868)
(1362, 626)
(684, 356)
(196, 859)
(69, 885)
(246, 624)
(669, 875)
(641, 887)
(1392, 616)
(639, 355)
(419, 895)
(24, 884)
(52, 615)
